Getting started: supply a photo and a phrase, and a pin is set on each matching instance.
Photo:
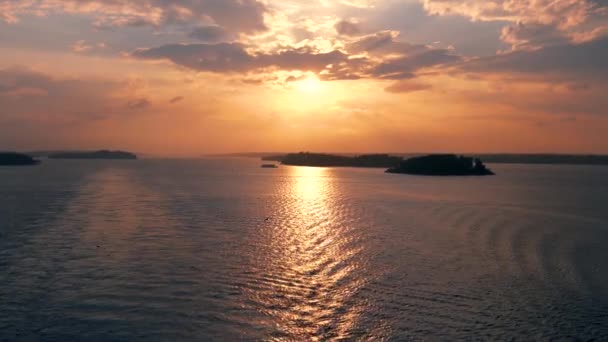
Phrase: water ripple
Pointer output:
(221, 250)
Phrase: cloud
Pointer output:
(140, 103)
(407, 87)
(292, 78)
(235, 15)
(359, 3)
(304, 59)
(221, 57)
(532, 36)
(383, 43)
(82, 46)
(347, 28)
(405, 67)
(176, 99)
(209, 34)
(583, 59)
(395, 59)
(374, 56)
(27, 94)
(565, 12)
(233, 57)
(533, 23)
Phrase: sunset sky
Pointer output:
(190, 77)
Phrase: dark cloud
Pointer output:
(404, 67)
(232, 57)
(304, 59)
(235, 15)
(533, 23)
(391, 59)
(587, 58)
(176, 99)
(522, 36)
(221, 57)
(238, 15)
(210, 34)
(347, 28)
(383, 43)
(570, 12)
(407, 87)
(140, 103)
(292, 78)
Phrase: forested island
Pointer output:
(442, 165)
(103, 154)
(432, 165)
(329, 160)
(16, 159)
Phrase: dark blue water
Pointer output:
(220, 249)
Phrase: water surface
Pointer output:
(221, 249)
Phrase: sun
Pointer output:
(309, 93)
(310, 84)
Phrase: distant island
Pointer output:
(330, 160)
(569, 159)
(16, 159)
(103, 154)
(442, 165)
(491, 158)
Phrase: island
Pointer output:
(269, 166)
(16, 159)
(103, 154)
(442, 165)
(330, 160)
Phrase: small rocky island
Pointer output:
(103, 154)
(442, 165)
(330, 160)
(16, 159)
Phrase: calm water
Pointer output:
(223, 250)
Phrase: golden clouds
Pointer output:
(218, 76)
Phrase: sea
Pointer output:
(223, 250)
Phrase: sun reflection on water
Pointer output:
(310, 182)
(310, 276)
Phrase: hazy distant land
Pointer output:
(576, 159)
(320, 159)
(432, 165)
(101, 154)
(379, 159)
(496, 158)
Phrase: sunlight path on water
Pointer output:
(315, 265)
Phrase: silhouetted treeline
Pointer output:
(320, 159)
(14, 159)
(504, 158)
(94, 155)
(442, 165)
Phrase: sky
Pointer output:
(192, 77)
